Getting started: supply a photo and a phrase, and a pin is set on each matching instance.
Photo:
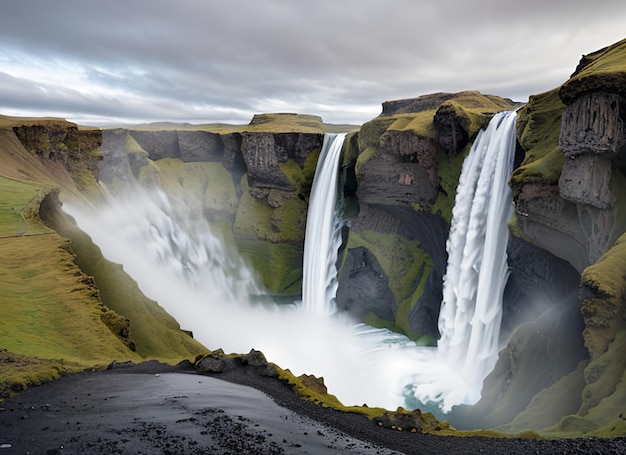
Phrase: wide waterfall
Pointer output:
(168, 247)
(323, 232)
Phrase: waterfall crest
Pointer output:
(323, 232)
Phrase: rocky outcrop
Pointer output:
(568, 199)
(406, 165)
(186, 145)
(364, 287)
(66, 151)
(51, 142)
(218, 362)
(264, 153)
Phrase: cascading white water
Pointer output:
(170, 251)
(477, 272)
(323, 232)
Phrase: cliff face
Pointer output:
(65, 307)
(70, 154)
(406, 164)
(568, 199)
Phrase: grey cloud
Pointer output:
(241, 55)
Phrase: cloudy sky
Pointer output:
(103, 62)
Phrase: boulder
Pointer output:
(215, 362)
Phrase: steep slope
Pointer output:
(55, 318)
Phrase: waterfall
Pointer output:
(323, 232)
(477, 271)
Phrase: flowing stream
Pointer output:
(170, 250)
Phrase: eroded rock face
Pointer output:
(200, 146)
(116, 162)
(586, 179)
(62, 148)
(397, 176)
(551, 222)
(594, 123)
(364, 287)
(53, 142)
(263, 153)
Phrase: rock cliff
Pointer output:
(69, 153)
(406, 163)
(568, 198)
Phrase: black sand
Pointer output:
(155, 409)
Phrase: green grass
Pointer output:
(603, 70)
(538, 130)
(15, 212)
(285, 123)
(50, 309)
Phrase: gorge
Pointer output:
(237, 199)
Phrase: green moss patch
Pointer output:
(406, 265)
(449, 171)
(50, 309)
(420, 123)
(606, 277)
(538, 130)
(18, 202)
(19, 372)
(285, 123)
(278, 265)
(601, 70)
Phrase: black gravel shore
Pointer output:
(157, 409)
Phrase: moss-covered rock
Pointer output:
(410, 157)
(603, 70)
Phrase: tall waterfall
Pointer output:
(323, 232)
(471, 311)
(477, 271)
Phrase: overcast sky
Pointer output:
(103, 62)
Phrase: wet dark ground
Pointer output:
(156, 409)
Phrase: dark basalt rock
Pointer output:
(364, 287)
(594, 123)
(412, 105)
(115, 163)
(424, 316)
(263, 153)
(217, 362)
(158, 144)
(452, 137)
(200, 146)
